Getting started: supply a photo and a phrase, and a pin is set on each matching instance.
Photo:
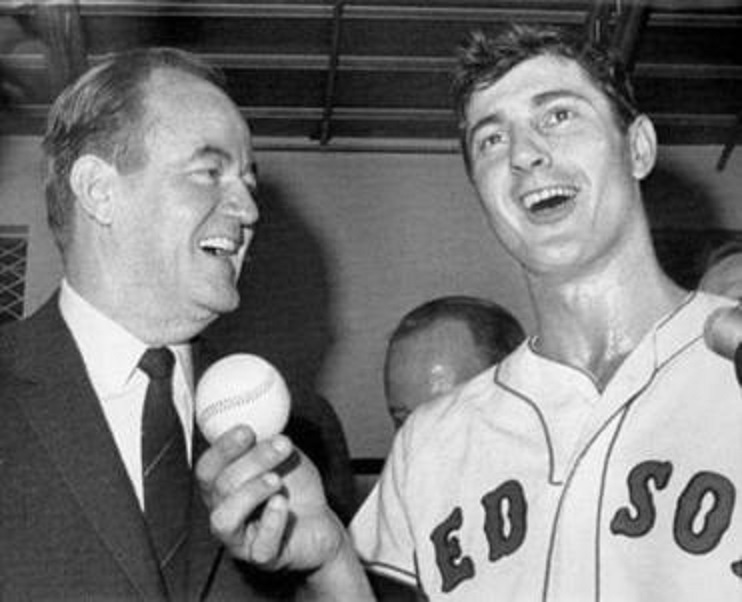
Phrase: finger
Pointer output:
(264, 457)
(229, 517)
(227, 448)
(269, 535)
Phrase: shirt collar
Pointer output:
(110, 352)
(535, 376)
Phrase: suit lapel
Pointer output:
(204, 549)
(64, 411)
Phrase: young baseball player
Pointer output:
(602, 459)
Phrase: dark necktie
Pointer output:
(167, 476)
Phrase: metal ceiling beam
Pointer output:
(598, 21)
(58, 26)
(734, 133)
(629, 26)
(617, 25)
(325, 126)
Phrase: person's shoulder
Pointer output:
(450, 412)
(20, 339)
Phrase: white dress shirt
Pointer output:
(111, 354)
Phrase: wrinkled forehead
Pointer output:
(181, 104)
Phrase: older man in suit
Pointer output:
(150, 194)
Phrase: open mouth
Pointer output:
(548, 199)
(219, 246)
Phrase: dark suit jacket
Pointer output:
(70, 523)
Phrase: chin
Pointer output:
(212, 303)
(225, 303)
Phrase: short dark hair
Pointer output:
(496, 332)
(102, 113)
(483, 59)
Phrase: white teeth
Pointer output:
(219, 245)
(533, 198)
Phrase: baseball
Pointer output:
(242, 389)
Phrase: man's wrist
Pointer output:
(340, 579)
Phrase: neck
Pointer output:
(98, 275)
(144, 319)
(592, 322)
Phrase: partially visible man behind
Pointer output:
(150, 194)
(441, 344)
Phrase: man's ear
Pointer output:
(441, 379)
(642, 146)
(92, 182)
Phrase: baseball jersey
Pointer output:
(529, 483)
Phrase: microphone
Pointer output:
(242, 389)
(723, 335)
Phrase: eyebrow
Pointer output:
(537, 101)
(551, 95)
(209, 150)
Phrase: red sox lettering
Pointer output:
(453, 567)
(507, 505)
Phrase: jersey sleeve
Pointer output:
(381, 529)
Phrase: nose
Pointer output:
(528, 150)
(239, 201)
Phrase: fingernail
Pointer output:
(277, 502)
(281, 444)
(271, 479)
(240, 435)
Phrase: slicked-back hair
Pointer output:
(103, 113)
(496, 332)
(484, 59)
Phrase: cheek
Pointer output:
(497, 206)
(602, 160)
(183, 211)
(491, 188)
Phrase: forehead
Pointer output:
(184, 108)
(413, 355)
(531, 80)
(414, 359)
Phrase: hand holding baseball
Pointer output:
(253, 480)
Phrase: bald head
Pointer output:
(441, 344)
(428, 363)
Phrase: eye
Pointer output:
(488, 140)
(557, 116)
(208, 173)
(491, 140)
(214, 172)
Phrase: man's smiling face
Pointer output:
(551, 166)
(184, 220)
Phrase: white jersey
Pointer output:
(530, 484)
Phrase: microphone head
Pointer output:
(242, 389)
(723, 331)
